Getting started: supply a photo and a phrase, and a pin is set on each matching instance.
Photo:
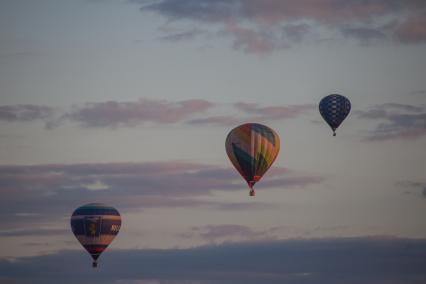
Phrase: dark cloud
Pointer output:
(204, 10)
(264, 26)
(114, 114)
(50, 192)
(296, 32)
(333, 261)
(364, 35)
(400, 126)
(24, 112)
(398, 121)
(275, 11)
(185, 35)
(33, 232)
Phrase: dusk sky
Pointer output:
(128, 103)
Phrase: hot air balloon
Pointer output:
(334, 109)
(95, 225)
(252, 148)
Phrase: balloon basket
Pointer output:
(94, 264)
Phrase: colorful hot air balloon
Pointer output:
(95, 225)
(334, 109)
(252, 148)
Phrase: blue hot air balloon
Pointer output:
(334, 109)
(95, 225)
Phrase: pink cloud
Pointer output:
(262, 26)
(114, 114)
(250, 40)
(412, 30)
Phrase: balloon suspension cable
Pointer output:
(94, 264)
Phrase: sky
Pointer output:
(128, 103)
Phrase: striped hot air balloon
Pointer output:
(252, 148)
(95, 225)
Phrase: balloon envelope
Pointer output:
(95, 225)
(252, 148)
(334, 109)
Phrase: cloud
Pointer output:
(364, 35)
(265, 26)
(216, 232)
(382, 110)
(226, 233)
(334, 261)
(400, 126)
(204, 10)
(255, 112)
(275, 112)
(398, 121)
(412, 30)
(251, 40)
(185, 35)
(274, 11)
(114, 114)
(232, 233)
(24, 112)
(31, 194)
(296, 32)
(34, 232)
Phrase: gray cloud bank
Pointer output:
(37, 192)
(396, 121)
(262, 26)
(115, 114)
(333, 261)
(24, 112)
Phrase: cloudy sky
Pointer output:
(128, 102)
